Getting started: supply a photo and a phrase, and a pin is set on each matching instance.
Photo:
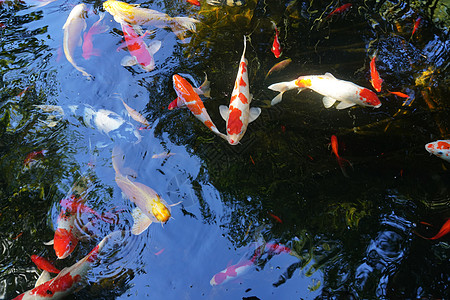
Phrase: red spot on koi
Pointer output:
(234, 122)
(242, 82)
(243, 66)
(44, 264)
(369, 97)
(301, 82)
(61, 284)
(243, 99)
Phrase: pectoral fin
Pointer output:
(329, 75)
(344, 105)
(128, 61)
(153, 47)
(254, 114)
(224, 111)
(44, 277)
(328, 101)
(141, 221)
(49, 243)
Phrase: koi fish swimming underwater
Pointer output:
(440, 148)
(332, 89)
(135, 15)
(239, 114)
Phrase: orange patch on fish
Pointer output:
(209, 124)
(369, 97)
(243, 98)
(443, 145)
(195, 108)
(303, 83)
(243, 67)
(242, 82)
(234, 121)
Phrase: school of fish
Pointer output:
(150, 208)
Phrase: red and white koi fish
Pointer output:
(135, 15)
(239, 114)
(276, 47)
(341, 161)
(234, 271)
(340, 9)
(73, 27)
(150, 206)
(88, 46)
(374, 75)
(43, 264)
(189, 98)
(332, 89)
(140, 53)
(440, 148)
(68, 280)
(33, 156)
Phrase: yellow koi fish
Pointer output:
(135, 15)
(73, 27)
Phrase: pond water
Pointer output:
(276, 211)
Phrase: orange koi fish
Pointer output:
(239, 114)
(445, 229)
(341, 161)
(400, 94)
(340, 9)
(44, 264)
(375, 77)
(279, 66)
(440, 148)
(188, 97)
(332, 89)
(68, 280)
(140, 53)
(193, 2)
(88, 46)
(276, 47)
(416, 25)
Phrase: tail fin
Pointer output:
(342, 162)
(282, 87)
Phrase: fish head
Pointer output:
(369, 98)
(64, 243)
(439, 148)
(182, 87)
(160, 210)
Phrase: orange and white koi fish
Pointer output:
(189, 98)
(341, 161)
(68, 280)
(239, 114)
(332, 89)
(73, 27)
(150, 206)
(135, 15)
(88, 46)
(340, 9)
(374, 75)
(276, 46)
(44, 264)
(440, 148)
(140, 53)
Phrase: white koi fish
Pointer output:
(73, 27)
(135, 15)
(332, 89)
(440, 148)
(188, 97)
(239, 113)
(68, 280)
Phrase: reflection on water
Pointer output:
(275, 207)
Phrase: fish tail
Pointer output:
(342, 162)
(184, 22)
(282, 87)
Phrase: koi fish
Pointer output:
(32, 156)
(136, 115)
(445, 229)
(68, 280)
(440, 148)
(340, 9)
(150, 206)
(274, 248)
(193, 2)
(341, 161)
(234, 271)
(275, 217)
(239, 114)
(88, 46)
(140, 53)
(332, 89)
(73, 27)
(375, 77)
(188, 97)
(135, 15)
(279, 66)
(400, 94)
(44, 264)
(416, 25)
(276, 47)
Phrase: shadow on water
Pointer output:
(277, 207)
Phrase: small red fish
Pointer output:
(400, 94)
(341, 161)
(44, 264)
(445, 229)
(193, 2)
(276, 47)
(33, 156)
(340, 9)
(88, 46)
(416, 25)
(375, 76)
(276, 218)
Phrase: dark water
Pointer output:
(350, 237)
